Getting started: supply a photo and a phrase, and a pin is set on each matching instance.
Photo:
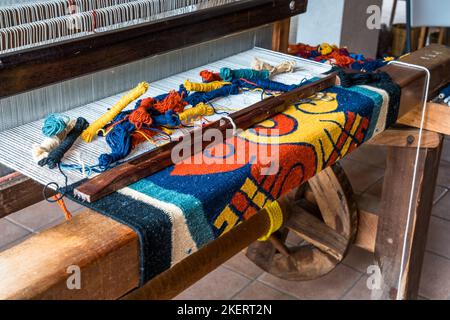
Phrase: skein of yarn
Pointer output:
(354, 79)
(41, 151)
(228, 74)
(284, 67)
(135, 93)
(54, 124)
(204, 87)
(56, 155)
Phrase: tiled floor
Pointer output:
(239, 278)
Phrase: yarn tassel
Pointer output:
(228, 74)
(204, 87)
(354, 79)
(284, 67)
(135, 93)
(41, 151)
(56, 155)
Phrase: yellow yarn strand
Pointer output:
(276, 219)
(96, 126)
(204, 87)
(198, 111)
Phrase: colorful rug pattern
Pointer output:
(180, 209)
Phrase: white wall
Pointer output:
(321, 22)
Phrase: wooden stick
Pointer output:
(160, 158)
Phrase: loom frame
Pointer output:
(103, 245)
(32, 68)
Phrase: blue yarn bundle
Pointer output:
(169, 118)
(119, 140)
(196, 97)
(228, 74)
(54, 124)
(266, 84)
(444, 93)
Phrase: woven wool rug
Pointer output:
(175, 212)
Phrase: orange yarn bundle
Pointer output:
(140, 115)
(173, 101)
(209, 76)
(339, 59)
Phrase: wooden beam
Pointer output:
(437, 118)
(406, 138)
(18, 192)
(367, 231)
(317, 233)
(391, 230)
(280, 36)
(38, 267)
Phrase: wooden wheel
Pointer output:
(323, 213)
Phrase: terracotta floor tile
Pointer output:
(435, 282)
(10, 233)
(331, 286)
(359, 259)
(373, 155)
(442, 207)
(444, 174)
(259, 291)
(368, 203)
(439, 237)
(446, 150)
(241, 264)
(41, 214)
(221, 284)
(360, 291)
(361, 176)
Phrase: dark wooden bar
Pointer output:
(29, 69)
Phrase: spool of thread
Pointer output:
(54, 124)
(41, 151)
(204, 87)
(56, 155)
(228, 74)
(135, 93)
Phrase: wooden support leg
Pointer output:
(280, 36)
(392, 222)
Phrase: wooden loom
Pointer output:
(99, 245)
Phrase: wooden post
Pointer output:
(280, 36)
(393, 218)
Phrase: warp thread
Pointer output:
(228, 74)
(41, 151)
(55, 156)
(284, 67)
(133, 94)
(209, 76)
(265, 84)
(54, 124)
(204, 87)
